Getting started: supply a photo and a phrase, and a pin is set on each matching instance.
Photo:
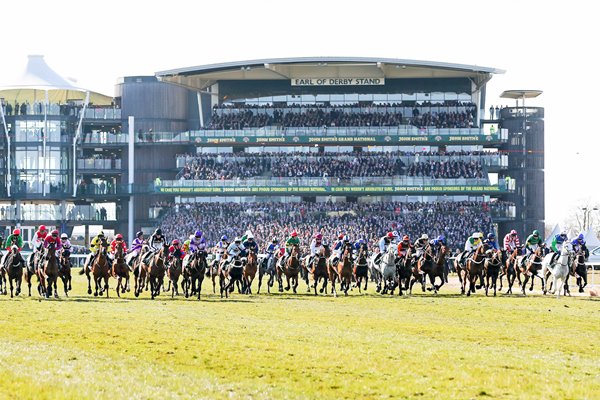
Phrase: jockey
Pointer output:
(197, 243)
(175, 250)
(65, 245)
(437, 243)
(117, 242)
(235, 249)
(38, 243)
(271, 250)
(472, 244)
(292, 241)
(383, 244)
(403, 246)
(338, 247)
(396, 237)
(579, 244)
(221, 248)
(360, 244)
(249, 245)
(315, 245)
(533, 242)
(95, 246)
(421, 244)
(156, 241)
(52, 238)
(557, 244)
(136, 248)
(511, 241)
(490, 242)
(186, 244)
(15, 239)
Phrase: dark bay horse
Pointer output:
(289, 267)
(361, 268)
(492, 267)
(579, 269)
(228, 277)
(249, 272)
(64, 271)
(48, 272)
(533, 265)
(140, 272)
(156, 270)
(174, 270)
(510, 269)
(404, 270)
(474, 270)
(319, 270)
(342, 271)
(267, 267)
(101, 270)
(436, 268)
(29, 273)
(15, 264)
(120, 271)
(193, 274)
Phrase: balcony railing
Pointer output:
(103, 113)
(98, 164)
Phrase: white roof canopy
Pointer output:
(37, 78)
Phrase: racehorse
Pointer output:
(342, 271)
(387, 269)
(559, 270)
(533, 265)
(48, 272)
(509, 269)
(101, 270)
(267, 267)
(474, 270)
(193, 274)
(233, 272)
(249, 272)
(290, 267)
(15, 264)
(29, 273)
(212, 271)
(64, 271)
(120, 271)
(404, 270)
(140, 272)
(435, 268)
(174, 270)
(491, 268)
(579, 269)
(319, 269)
(156, 270)
(361, 268)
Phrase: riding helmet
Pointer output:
(140, 233)
(64, 236)
(536, 233)
(158, 231)
(513, 232)
(491, 236)
(580, 237)
(54, 232)
(119, 237)
(224, 237)
(405, 238)
(319, 236)
(17, 232)
(275, 240)
(174, 242)
(294, 234)
(42, 228)
(198, 234)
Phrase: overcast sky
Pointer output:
(540, 45)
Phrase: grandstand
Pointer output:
(378, 143)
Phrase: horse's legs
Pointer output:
(10, 281)
(287, 280)
(500, 277)
(487, 283)
(87, 273)
(118, 286)
(524, 284)
(260, 276)
(66, 285)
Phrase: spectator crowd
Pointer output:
(341, 165)
(456, 220)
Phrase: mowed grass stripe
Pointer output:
(283, 346)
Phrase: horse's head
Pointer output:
(295, 252)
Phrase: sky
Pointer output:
(541, 45)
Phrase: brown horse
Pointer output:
(579, 269)
(474, 270)
(342, 270)
(436, 268)
(249, 272)
(174, 270)
(120, 271)
(509, 269)
(533, 265)
(212, 271)
(289, 267)
(193, 274)
(361, 268)
(140, 272)
(404, 270)
(64, 271)
(101, 270)
(48, 272)
(492, 267)
(318, 269)
(156, 270)
(14, 265)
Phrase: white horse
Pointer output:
(387, 269)
(559, 271)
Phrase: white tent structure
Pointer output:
(591, 240)
(554, 232)
(39, 82)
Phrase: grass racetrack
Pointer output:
(299, 346)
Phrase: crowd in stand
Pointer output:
(456, 220)
(337, 118)
(341, 165)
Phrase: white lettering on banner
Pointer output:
(337, 81)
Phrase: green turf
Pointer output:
(282, 346)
